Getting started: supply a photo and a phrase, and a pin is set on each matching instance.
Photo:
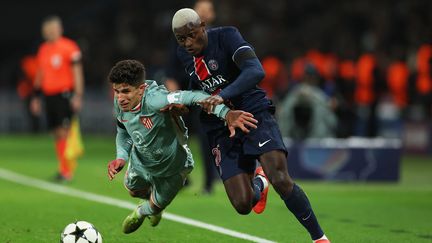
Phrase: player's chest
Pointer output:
(140, 126)
(54, 58)
(211, 72)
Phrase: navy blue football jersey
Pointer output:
(215, 69)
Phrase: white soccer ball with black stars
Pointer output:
(80, 232)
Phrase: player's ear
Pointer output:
(142, 88)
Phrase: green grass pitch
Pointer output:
(348, 212)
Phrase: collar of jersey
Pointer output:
(136, 109)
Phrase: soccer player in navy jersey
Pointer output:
(220, 62)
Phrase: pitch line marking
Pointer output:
(37, 183)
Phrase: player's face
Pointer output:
(127, 95)
(193, 39)
(52, 30)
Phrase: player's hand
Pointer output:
(76, 102)
(240, 119)
(209, 103)
(175, 109)
(35, 106)
(115, 167)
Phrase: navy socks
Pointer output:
(299, 205)
(258, 186)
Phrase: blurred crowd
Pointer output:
(340, 68)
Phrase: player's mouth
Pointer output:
(191, 51)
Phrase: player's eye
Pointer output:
(192, 35)
(181, 39)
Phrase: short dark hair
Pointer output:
(131, 72)
(51, 18)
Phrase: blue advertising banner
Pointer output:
(354, 159)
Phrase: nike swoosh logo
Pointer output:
(307, 217)
(190, 74)
(262, 144)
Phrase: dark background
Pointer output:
(110, 30)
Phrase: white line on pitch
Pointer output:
(29, 181)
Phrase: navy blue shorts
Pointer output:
(238, 155)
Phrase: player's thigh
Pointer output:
(136, 179)
(165, 189)
(228, 156)
(275, 167)
(266, 137)
(240, 192)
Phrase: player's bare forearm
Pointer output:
(240, 119)
(78, 79)
(78, 87)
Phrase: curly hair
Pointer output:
(131, 72)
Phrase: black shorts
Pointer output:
(239, 154)
(58, 110)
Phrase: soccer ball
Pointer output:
(80, 232)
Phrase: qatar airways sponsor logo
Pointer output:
(213, 83)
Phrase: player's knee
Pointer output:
(242, 205)
(243, 209)
(143, 194)
(133, 193)
(281, 181)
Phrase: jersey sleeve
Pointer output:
(123, 140)
(123, 143)
(74, 52)
(233, 42)
(158, 100)
(243, 55)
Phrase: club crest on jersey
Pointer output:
(147, 122)
(213, 65)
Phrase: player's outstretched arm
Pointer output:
(240, 119)
(174, 102)
(175, 109)
(115, 167)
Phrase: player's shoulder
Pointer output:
(43, 46)
(223, 30)
(225, 34)
(67, 40)
(152, 86)
(153, 89)
(68, 43)
(153, 95)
